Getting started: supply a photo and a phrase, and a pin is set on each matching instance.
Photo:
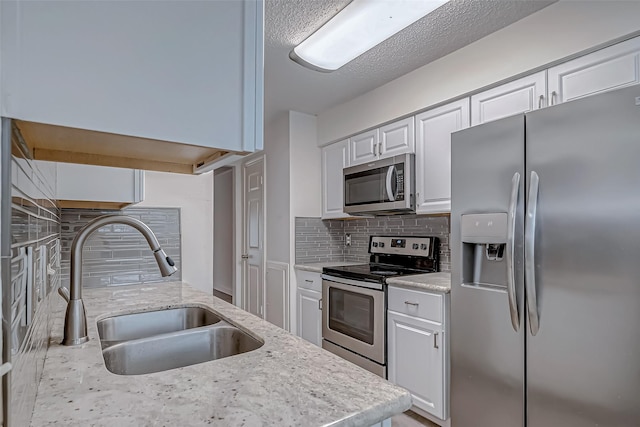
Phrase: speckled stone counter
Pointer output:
(438, 282)
(317, 267)
(286, 382)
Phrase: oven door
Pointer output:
(353, 317)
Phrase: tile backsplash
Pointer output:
(324, 240)
(118, 254)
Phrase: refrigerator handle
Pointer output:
(529, 254)
(511, 234)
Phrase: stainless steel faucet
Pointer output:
(75, 322)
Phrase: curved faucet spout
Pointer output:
(75, 326)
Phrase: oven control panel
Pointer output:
(416, 246)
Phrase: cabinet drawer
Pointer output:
(420, 304)
(309, 280)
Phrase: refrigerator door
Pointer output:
(487, 370)
(583, 363)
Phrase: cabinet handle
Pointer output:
(435, 340)
(308, 281)
(553, 98)
(379, 149)
(412, 303)
(540, 101)
(320, 304)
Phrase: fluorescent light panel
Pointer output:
(357, 28)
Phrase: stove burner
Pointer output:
(384, 273)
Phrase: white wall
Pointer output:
(193, 194)
(555, 32)
(305, 189)
(276, 150)
(223, 230)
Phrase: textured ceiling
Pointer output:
(289, 86)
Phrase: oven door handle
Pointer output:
(392, 181)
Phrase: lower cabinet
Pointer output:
(417, 352)
(309, 306)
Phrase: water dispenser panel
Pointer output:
(489, 228)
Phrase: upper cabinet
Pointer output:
(335, 157)
(606, 69)
(387, 141)
(519, 96)
(99, 187)
(364, 147)
(433, 155)
(167, 71)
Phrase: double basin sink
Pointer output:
(155, 341)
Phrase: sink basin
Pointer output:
(177, 349)
(126, 327)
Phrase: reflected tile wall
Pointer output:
(323, 240)
(35, 238)
(118, 254)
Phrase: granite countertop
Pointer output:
(438, 282)
(286, 382)
(316, 267)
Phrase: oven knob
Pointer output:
(423, 246)
(381, 244)
(415, 246)
(375, 244)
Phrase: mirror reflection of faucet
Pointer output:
(75, 323)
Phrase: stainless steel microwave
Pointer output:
(382, 187)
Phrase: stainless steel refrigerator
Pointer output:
(545, 240)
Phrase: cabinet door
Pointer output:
(335, 157)
(433, 155)
(310, 316)
(397, 138)
(181, 71)
(416, 360)
(364, 147)
(89, 183)
(610, 68)
(520, 96)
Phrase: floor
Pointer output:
(410, 419)
(223, 296)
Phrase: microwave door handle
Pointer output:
(390, 193)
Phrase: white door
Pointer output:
(519, 96)
(364, 147)
(416, 360)
(433, 155)
(397, 138)
(335, 157)
(253, 253)
(310, 315)
(607, 69)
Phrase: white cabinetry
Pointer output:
(417, 348)
(97, 186)
(519, 96)
(335, 157)
(187, 72)
(387, 141)
(309, 306)
(610, 68)
(363, 148)
(433, 155)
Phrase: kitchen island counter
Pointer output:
(286, 382)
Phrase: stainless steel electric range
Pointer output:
(355, 297)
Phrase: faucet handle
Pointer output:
(64, 293)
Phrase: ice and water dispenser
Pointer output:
(484, 249)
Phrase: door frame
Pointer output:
(240, 222)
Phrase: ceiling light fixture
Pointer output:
(357, 28)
